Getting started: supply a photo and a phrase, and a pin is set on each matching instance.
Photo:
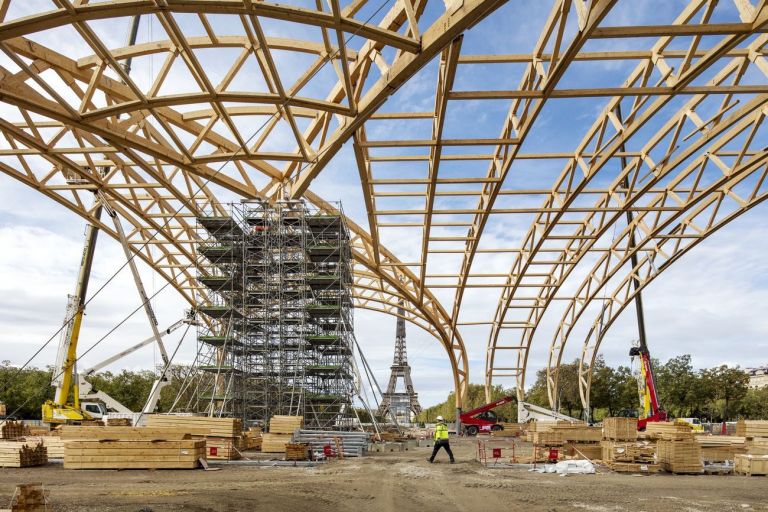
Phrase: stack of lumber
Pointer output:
(537, 426)
(133, 454)
(509, 429)
(757, 446)
(19, 454)
(75, 432)
(275, 443)
(285, 424)
(751, 465)
(54, 444)
(620, 429)
(668, 430)
(580, 433)
(591, 451)
(298, 451)
(3, 410)
(680, 455)
(752, 428)
(29, 498)
(251, 440)
(35, 430)
(389, 437)
(119, 422)
(11, 429)
(635, 467)
(222, 435)
(617, 451)
(198, 425)
(547, 438)
(720, 448)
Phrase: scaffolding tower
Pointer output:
(280, 339)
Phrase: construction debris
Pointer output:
(18, 454)
(133, 454)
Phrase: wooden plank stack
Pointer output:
(682, 456)
(298, 451)
(668, 430)
(119, 422)
(509, 430)
(547, 438)
(54, 444)
(637, 452)
(591, 451)
(720, 448)
(251, 439)
(635, 467)
(133, 454)
(752, 428)
(18, 454)
(275, 443)
(10, 429)
(620, 429)
(751, 465)
(580, 433)
(222, 435)
(757, 446)
(29, 498)
(73, 432)
(285, 424)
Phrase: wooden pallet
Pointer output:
(620, 429)
(198, 425)
(285, 424)
(751, 465)
(17, 454)
(133, 454)
(298, 451)
(634, 467)
(632, 452)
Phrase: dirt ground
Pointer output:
(401, 482)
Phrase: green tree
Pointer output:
(24, 391)
(728, 385)
(676, 384)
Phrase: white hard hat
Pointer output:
(440, 418)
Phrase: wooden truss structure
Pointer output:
(679, 143)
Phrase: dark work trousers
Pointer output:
(441, 443)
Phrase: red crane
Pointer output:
(483, 419)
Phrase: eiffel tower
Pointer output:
(405, 404)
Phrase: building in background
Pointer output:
(758, 377)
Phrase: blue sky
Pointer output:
(709, 304)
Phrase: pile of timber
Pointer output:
(681, 456)
(3, 410)
(757, 446)
(752, 428)
(119, 422)
(10, 429)
(636, 452)
(579, 433)
(281, 430)
(133, 454)
(77, 432)
(297, 451)
(589, 451)
(720, 448)
(509, 430)
(620, 429)
(222, 435)
(36, 430)
(19, 454)
(635, 467)
(547, 438)
(751, 465)
(251, 439)
(54, 444)
(668, 430)
(29, 498)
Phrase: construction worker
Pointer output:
(441, 439)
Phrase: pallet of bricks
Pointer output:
(22, 454)
(676, 448)
(755, 461)
(222, 436)
(622, 452)
(580, 441)
(281, 429)
(95, 447)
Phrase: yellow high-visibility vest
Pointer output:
(441, 431)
